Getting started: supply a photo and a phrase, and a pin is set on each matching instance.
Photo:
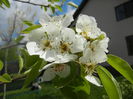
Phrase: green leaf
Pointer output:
(45, 8)
(79, 88)
(110, 84)
(1, 65)
(6, 3)
(72, 4)
(31, 28)
(52, 9)
(121, 66)
(29, 23)
(57, 0)
(29, 60)
(84, 86)
(5, 78)
(33, 74)
(68, 92)
(17, 40)
(20, 63)
(1, 4)
(58, 7)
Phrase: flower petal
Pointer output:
(45, 20)
(49, 55)
(33, 49)
(37, 34)
(78, 44)
(68, 34)
(85, 23)
(48, 75)
(67, 20)
(94, 80)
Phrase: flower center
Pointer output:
(59, 68)
(90, 68)
(85, 35)
(64, 47)
(92, 47)
(46, 44)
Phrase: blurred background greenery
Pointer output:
(50, 92)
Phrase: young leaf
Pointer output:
(5, 78)
(58, 7)
(33, 74)
(17, 40)
(20, 63)
(121, 66)
(29, 23)
(72, 4)
(31, 28)
(52, 9)
(1, 65)
(1, 4)
(28, 60)
(110, 84)
(6, 3)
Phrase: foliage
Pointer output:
(4, 2)
(109, 83)
(121, 66)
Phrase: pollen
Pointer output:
(46, 44)
(90, 68)
(59, 67)
(85, 35)
(64, 47)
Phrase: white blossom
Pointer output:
(95, 52)
(55, 45)
(61, 21)
(87, 27)
(61, 70)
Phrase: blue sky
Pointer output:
(65, 6)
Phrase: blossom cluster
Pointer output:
(57, 43)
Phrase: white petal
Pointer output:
(85, 23)
(99, 56)
(48, 75)
(104, 44)
(68, 34)
(52, 31)
(67, 20)
(47, 66)
(94, 80)
(49, 55)
(65, 72)
(33, 49)
(45, 20)
(37, 34)
(78, 44)
(65, 58)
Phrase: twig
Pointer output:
(32, 3)
(6, 55)
(11, 45)
(15, 78)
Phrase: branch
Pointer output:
(32, 3)
(11, 45)
(15, 78)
